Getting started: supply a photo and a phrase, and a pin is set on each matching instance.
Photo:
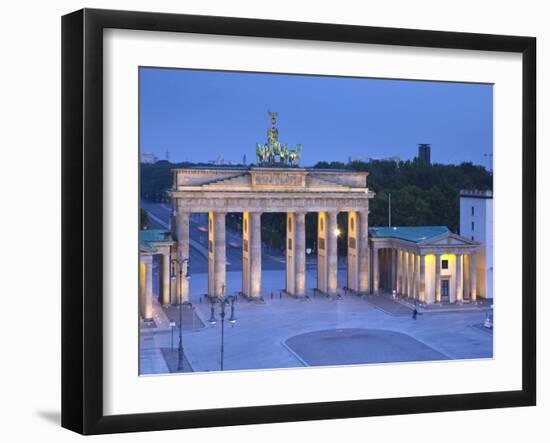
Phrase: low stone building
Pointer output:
(426, 263)
(154, 244)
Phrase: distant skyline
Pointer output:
(199, 115)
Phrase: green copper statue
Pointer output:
(273, 153)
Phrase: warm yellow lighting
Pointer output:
(337, 232)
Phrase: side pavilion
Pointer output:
(426, 263)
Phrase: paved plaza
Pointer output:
(350, 346)
(284, 332)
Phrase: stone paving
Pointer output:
(190, 320)
(171, 358)
(265, 332)
(389, 306)
(359, 346)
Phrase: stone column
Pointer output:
(245, 276)
(437, 277)
(174, 284)
(417, 276)
(290, 255)
(426, 297)
(182, 237)
(414, 273)
(404, 274)
(219, 254)
(411, 275)
(363, 243)
(216, 254)
(353, 257)
(393, 269)
(398, 279)
(300, 254)
(459, 283)
(252, 254)
(146, 287)
(387, 268)
(332, 253)
(465, 277)
(322, 247)
(473, 276)
(375, 270)
(211, 240)
(256, 255)
(165, 277)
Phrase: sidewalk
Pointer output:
(189, 317)
(479, 305)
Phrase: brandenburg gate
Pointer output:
(293, 190)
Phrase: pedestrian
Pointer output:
(415, 313)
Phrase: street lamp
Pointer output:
(180, 261)
(223, 302)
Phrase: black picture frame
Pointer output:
(82, 215)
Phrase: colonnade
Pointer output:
(166, 295)
(405, 271)
(295, 284)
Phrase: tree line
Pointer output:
(421, 195)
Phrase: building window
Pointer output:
(472, 226)
(444, 264)
(289, 224)
(352, 224)
(473, 211)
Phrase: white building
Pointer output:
(476, 223)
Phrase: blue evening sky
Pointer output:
(200, 115)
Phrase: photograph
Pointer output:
(292, 221)
(275, 222)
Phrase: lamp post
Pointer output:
(223, 302)
(181, 261)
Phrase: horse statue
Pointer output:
(261, 153)
(294, 155)
(273, 150)
(283, 154)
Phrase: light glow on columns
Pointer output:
(337, 232)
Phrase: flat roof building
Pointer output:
(425, 153)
